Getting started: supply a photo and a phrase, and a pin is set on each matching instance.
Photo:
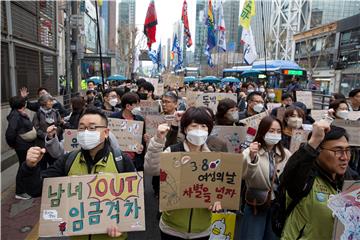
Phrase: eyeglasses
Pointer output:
(90, 128)
(339, 152)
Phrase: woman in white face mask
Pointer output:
(264, 161)
(339, 109)
(293, 119)
(196, 124)
(227, 113)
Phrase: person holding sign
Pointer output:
(110, 102)
(95, 156)
(293, 119)
(196, 124)
(313, 173)
(255, 105)
(130, 111)
(264, 161)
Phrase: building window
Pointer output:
(5, 78)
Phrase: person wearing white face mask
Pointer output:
(110, 102)
(255, 105)
(264, 161)
(95, 156)
(339, 109)
(227, 112)
(196, 124)
(130, 110)
(293, 119)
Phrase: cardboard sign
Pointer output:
(197, 180)
(271, 106)
(305, 97)
(317, 115)
(211, 100)
(232, 135)
(352, 128)
(153, 121)
(149, 107)
(159, 90)
(346, 208)
(70, 140)
(128, 133)
(354, 115)
(155, 83)
(173, 81)
(191, 97)
(298, 137)
(222, 226)
(255, 120)
(89, 204)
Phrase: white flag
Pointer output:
(247, 39)
(221, 28)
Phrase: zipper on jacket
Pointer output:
(190, 219)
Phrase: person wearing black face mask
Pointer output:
(146, 91)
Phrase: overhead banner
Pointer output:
(197, 180)
(89, 204)
(211, 100)
(70, 140)
(352, 129)
(233, 136)
(305, 97)
(128, 133)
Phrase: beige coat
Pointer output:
(256, 175)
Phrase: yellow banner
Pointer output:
(247, 12)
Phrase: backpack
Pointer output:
(119, 158)
(279, 211)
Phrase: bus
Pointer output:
(192, 71)
(235, 71)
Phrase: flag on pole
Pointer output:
(176, 49)
(150, 24)
(247, 39)
(158, 57)
(221, 28)
(247, 12)
(184, 18)
(211, 38)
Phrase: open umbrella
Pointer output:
(210, 79)
(230, 80)
(116, 77)
(96, 79)
(190, 79)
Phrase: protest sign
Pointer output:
(173, 81)
(305, 97)
(153, 121)
(352, 129)
(346, 208)
(317, 115)
(271, 106)
(149, 107)
(89, 204)
(107, 113)
(298, 137)
(232, 135)
(278, 94)
(191, 97)
(222, 226)
(128, 133)
(354, 115)
(197, 180)
(159, 90)
(70, 140)
(255, 120)
(211, 100)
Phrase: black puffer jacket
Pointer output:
(19, 123)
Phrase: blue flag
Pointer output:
(177, 49)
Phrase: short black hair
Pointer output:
(129, 98)
(120, 91)
(147, 86)
(338, 96)
(17, 102)
(140, 81)
(200, 115)
(94, 110)
(223, 106)
(251, 96)
(40, 89)
(108, 91)
(91, 81)
(336, 103)
(286, 95)
(90, 92)
(334, 134)
(353, 92)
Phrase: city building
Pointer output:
(200, 32)
(334, 53)
(231, 17)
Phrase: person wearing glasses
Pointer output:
(95, 156)
(255, 105)
(312, 174)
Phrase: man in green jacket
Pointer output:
(313, 173)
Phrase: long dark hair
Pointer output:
(264, 127)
